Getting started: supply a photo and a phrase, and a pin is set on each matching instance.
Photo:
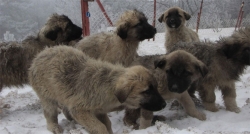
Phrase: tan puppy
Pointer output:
(175, 19)
(175, 73)
(88, 89)
(226, 61)
(120, 46)
(15, 57)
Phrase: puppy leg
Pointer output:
(105, 120)
(89, 121)
(130, 117)
(67, 114)
(146, 119)
(1, 85)
(51, 113)
(189, 106)
(207, 95)
(229, 96)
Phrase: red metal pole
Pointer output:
(104, 12)
(154, 18)
(85, 19)
(241, 16)
(237, 23)
(198, 18)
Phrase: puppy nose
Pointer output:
(174, 87)
(172, 21)
(163, 105)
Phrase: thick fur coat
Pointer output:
(16, 57)
(121, 45)
(87, 89)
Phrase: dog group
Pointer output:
(88, 78)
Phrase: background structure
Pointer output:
(19, 18)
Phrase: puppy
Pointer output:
(175, 19)
(226, 60)
(121, 46)
(175, 73)
(16, 57)
(88, 89)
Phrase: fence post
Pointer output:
(198, 18)
(104, 12)
(154, 18)
(85, 19)
(239, 19)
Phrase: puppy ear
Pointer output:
(229, 50)
(52, 34)
(123, 89)
(186, 15)
(202, 68)
(160, 63)
(160, 19)
(122, 30)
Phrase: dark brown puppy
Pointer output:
(226, 60)
(15, 57)
(175, 73)
(87, 89)
(176, 30)
(121, 45)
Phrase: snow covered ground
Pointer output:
(25, 115)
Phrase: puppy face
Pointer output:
(174, 17)
(134, 25)
(61, 29)
(138, 88)
(182, 69)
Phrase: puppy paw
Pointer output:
(210, 107)
(130, 123)
(201, 116)
(234, 109)
(55, 128)
(175, 105)
(158, 118)
(136, 126)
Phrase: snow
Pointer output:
(25, 115)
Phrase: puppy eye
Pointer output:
(187, 73)
(138, 24)
(147, 91)
(67, 26)
(167, 71)
(247, 49)
(179, 15)
(151, 86)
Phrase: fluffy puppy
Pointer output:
(175, 19)
(88, 89)
(120, 46)
(175, 73)
(15, 57)
(226, 60)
